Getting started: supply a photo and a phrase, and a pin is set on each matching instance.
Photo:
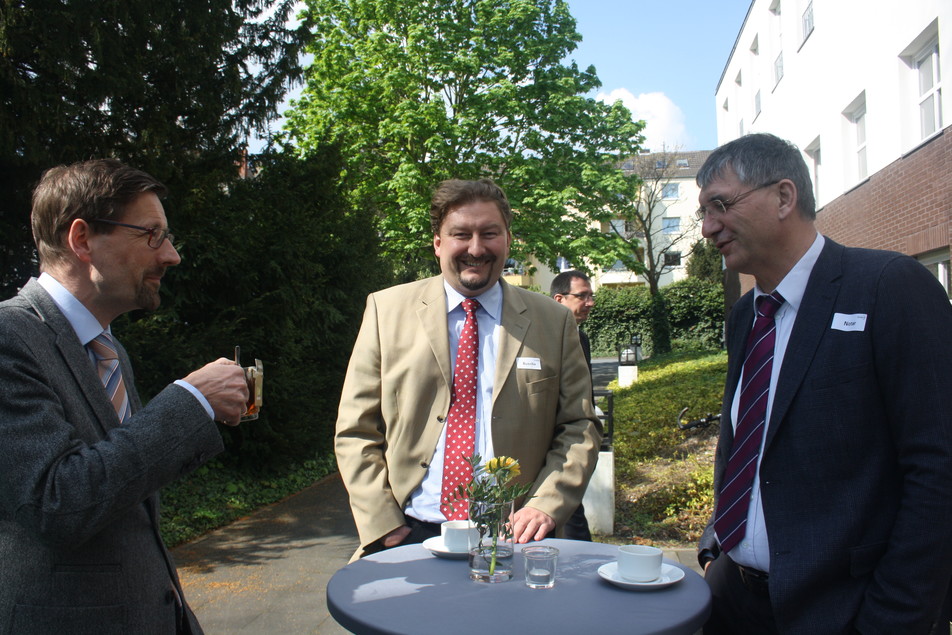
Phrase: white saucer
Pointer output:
(669, 575)
(437, 548)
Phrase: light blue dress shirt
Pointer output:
(87, 327)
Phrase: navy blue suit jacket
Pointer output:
(856, 474)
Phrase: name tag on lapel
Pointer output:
(849, 322)
(529, 363)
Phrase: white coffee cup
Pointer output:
(639, 563)
(457, 535)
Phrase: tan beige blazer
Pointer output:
(397, 393)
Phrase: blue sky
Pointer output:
(663, 59)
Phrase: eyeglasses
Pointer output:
(156, 236)
(721, 207)
(584, 297)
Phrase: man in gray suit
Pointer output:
(833, 503)
(82, 460)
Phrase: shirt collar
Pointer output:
(490, 300)
(87, 327)
(794, 284)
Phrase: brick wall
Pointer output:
(905, 207)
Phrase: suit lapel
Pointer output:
(513, 328)
(739, 327)
(813, 319)
(73, 354)
(431, 315)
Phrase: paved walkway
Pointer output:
(268, 573)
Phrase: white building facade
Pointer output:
(862, 87)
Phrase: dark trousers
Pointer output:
(740, 604)
(577, 526)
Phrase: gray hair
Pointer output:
(758, 159)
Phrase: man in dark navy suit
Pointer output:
(844, 522)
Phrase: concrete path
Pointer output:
(267, 573)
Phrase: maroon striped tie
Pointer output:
(461, 421)
(730, 521)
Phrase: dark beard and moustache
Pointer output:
(475, 284)
(146, 297)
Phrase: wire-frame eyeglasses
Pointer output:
(156, 236)
(719, 207)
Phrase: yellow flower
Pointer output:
(506, 463)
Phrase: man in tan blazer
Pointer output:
(534, 388)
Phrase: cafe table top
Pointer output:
(409, 591)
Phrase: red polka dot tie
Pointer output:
(461, 422)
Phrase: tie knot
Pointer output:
(103, 347)
(767, 305)
(470, 305)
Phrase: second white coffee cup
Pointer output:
(639, 563)
(457, 535)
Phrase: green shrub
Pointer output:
(278, 265)
(218, 493)
(695, 317)
(664, 475)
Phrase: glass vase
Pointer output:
(490, 560)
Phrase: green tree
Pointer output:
(705, 262)
(417, 92)
(640, 224)
(282, 271)
(171, 87)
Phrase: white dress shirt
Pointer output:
(424, 503)
(754, 550)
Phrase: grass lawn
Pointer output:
(663, 475)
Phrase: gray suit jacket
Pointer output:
(856, 474)
(80, 550)
(397, 394)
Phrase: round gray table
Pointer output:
(409, 591)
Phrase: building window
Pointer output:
(859, 125)
(725, 106)
(807, 22)
(930, 92)
(670, 190)
(856, 135)
(563, 263)
(938, 263)
(778, 69)
(813, 152)
(739, 80)
(740, 128)
(756, 104)
(672, 259)
(683, 163)
(670, 225)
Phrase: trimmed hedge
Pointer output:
(695, 313)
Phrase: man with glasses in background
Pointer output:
(574, 289)
(82, 460)
(833, 470)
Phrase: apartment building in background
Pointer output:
(670, 190)
(669, 205)
(858, 86)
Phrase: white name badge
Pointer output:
(849, 322)
(529, 363)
